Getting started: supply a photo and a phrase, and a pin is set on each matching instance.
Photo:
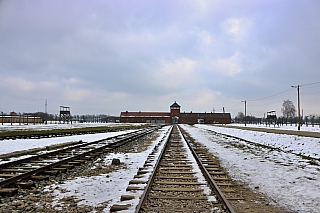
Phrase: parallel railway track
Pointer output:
(13, 174)
(183, 181)
(55, 133)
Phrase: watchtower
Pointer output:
(65, 114)
(175, 113)
(271, 117)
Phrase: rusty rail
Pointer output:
(119, 142)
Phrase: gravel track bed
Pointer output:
(40, 198)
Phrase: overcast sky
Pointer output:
(112, 56)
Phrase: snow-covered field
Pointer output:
(14, 127)
(309, 128)
(96, 190)
(305, 146)
(276, 169)
(286, 178)
(7, 146)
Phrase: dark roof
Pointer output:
(205, 115)
(144, 114)
(175, 105)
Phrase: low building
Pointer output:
(174, 117)
(22, 119)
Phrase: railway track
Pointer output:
(183, 181)
(54, 133)
(20, 173)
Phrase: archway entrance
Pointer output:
(175, 120)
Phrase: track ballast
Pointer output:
(179, 183)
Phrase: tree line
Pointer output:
(289, 116)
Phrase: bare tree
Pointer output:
(288, 109)
(239, 117)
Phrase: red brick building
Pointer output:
(174, 116)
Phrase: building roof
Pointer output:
(175, 105)
(205, 115)
(144, 114)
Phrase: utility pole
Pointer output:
(45, 110)
(45, 106)
(298, 87)
(245, 112)
(225, 123)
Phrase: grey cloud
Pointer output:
(118, 49)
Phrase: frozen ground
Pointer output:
(94, 191)
(9, 127)
(309, 128)
(275, 170)
(7, 146)
(303, 146)
(284, 177)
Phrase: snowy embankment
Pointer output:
(102, 190)
(17, 127)
(285, 178)
(97, 190)
(8, 146)
(303, 146)
(309, 128)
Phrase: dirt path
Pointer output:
(277, 131)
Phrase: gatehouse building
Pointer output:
(175, 116)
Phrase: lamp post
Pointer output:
(307, 120)
(298, 87)
(245, 112)
(223, 120)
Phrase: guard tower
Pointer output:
(271, 118)
(65, 114)
(175, 113)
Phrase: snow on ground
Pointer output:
(274, 170)
(309, 128)
(198, 173)
(93, 191)
(8, 146)
(16, 126)
(285, 178)
(96, 190)
(305, 146)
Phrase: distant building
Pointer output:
(174, 117)
(22, 119)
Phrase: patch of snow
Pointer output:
(8, 146)
(198, 173)
(93, 191)
(309, 128)
(17, 127)
(305, 146)
(283, 177)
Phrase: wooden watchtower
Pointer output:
(65, 114)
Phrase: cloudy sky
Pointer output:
(106, 56)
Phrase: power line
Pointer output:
(283, 92)
(310, 84)
(271, 96)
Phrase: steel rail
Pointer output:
(48, 154)
(153, 175)
(45, 134)
(213, 184)
(206, 174)
(116, 144)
